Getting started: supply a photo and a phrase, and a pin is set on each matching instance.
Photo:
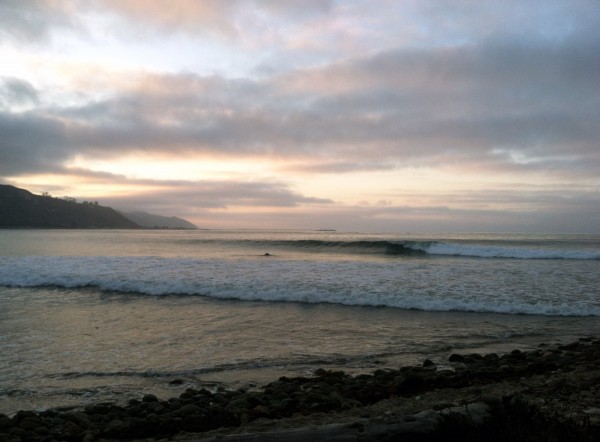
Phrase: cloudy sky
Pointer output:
(368, 115)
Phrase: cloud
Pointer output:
(170, 196)
(497, 92)
(33, 21)
(389, 218)
(295, 8)
(31, 143)
(224, 19)
(187, 16)
(402, 106)
(520, 107)
(17, 92)
(335, 167)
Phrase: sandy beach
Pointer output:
(550, 393)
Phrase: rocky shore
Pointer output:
(551, 393)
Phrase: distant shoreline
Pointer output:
(97, 228)
(20, 208)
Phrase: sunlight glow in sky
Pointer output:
(378, 116)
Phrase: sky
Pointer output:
(355, 115)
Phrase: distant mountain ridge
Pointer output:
(152, 221)
(20, 208)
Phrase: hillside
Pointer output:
(151, 221)
(20, 208)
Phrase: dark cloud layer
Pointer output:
(526, 106)
(31, 143)
(17, 92)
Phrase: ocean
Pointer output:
(91, 316)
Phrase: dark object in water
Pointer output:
(267, 254)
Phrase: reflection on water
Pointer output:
(63, 346)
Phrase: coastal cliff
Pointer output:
(20, 208)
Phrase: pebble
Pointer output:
(201, 410)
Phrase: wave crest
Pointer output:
(397, 284)
(409, 248)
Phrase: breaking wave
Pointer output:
(397, 284)
(416, 248)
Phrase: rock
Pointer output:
(472, 358)
(541, 367)
(22, 414)
(332, 380)
(174, 404)
(188, 394)
(156, 407)
(100, 409)
(413, 383)
(42, 431)
(82, 420)
(189, 410)
(478, 412)
(219, 399)
(347, 403)
(5, 422)
(239, 405)
(135, 410)
(290, 404)
(572, 346)
(70, 430)
(18, 432)
(512, 386)
(491, 357)
(320, 372)
(116, 426)
(517, 354)
(456, 358)
(491, 399)
(30, 423)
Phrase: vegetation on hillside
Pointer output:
(20, 208)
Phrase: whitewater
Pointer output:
(105, 315)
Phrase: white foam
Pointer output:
(400, 284)
(453, 249)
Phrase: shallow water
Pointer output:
(71, 347)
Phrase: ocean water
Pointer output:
(98, 315)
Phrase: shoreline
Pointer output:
(550, 392)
